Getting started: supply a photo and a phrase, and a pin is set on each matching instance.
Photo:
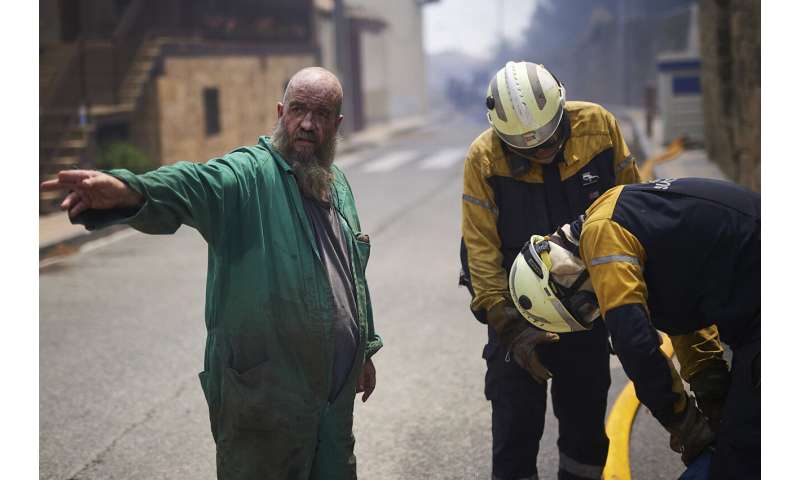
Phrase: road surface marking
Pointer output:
(390, 161)
(444, 159)
(350, 159)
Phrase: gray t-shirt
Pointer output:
(333, 251)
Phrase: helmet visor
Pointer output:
(545, 150)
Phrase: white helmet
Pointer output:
(525, 103)
(541, 298)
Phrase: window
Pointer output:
(211, 110)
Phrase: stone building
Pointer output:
(179, 79)
(192, 79)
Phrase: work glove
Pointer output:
(524, 349)
(690, 433)
(710, 387)
(521, 338)
(506, 322)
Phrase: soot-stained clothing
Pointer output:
(333, 252)
(270, 345)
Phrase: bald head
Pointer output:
(319, 83)
(308, 119)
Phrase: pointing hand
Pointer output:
(89, 189)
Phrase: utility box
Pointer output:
(679, 97)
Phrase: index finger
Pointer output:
(75, 176)
(53, 184)
(67, 179)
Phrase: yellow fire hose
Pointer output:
(674, 149)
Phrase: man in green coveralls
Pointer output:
(288, 316)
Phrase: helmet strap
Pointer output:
(517, 164)
(576, 285)
(563, 241)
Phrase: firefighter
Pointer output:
(542, 162)
(678, 256)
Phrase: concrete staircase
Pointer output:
(63, 142)
(54, 63)
(139, 73)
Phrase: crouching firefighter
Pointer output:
(540, 164)
(678, 256)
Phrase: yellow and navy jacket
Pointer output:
(678, 256)
(503, 204)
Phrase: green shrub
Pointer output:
(123, 155)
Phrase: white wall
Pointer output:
(375, 77)
(404, 57)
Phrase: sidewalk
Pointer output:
(377, 134)
(55, 229)
(690, 163)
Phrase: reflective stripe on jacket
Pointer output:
(501, 211)
(687, 253)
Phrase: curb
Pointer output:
(372, 137)
(73, 244)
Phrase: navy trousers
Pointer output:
(738, 446)
(581, 379)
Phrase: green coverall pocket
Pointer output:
(362, 249)
(252, 400)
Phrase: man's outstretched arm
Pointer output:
(159, 201)
(90, 189)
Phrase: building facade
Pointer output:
(175, 79)
(193, 79)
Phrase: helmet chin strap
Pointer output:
(543, 161)
(564, 239)
(577, 284)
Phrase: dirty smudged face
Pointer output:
(306, 135)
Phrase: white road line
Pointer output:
(390, 161)
(443, 158)
(349, 159)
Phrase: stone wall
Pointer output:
(249, 88)
(730, 36)
(145, 127)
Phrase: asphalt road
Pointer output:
(122, 335)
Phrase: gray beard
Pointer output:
(312, 170)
